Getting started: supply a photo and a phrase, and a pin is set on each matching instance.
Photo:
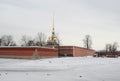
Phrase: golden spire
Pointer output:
(53, 38)
(53, 29)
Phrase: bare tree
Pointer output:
(114, 47)
(13, 44)
(24, 40)
(111, 48)
(87, 41)
(27, 41)
(58, 40)
(7, 40)
(31, 43)
(107, 48)
(41, 39)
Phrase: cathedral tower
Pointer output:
(52, 41)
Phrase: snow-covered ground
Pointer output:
(60, 69)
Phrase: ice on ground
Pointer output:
(60, 69)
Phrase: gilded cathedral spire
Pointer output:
(52, 39)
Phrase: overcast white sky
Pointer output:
(73, 20)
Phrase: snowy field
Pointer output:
(60, 69)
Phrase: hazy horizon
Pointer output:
(73, 20)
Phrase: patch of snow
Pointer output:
(60, 69)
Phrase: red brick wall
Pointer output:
(43, 53)
(66, 50)
(27, 52)
(76, 51)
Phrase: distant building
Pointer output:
(52, 49)
(104, 53)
